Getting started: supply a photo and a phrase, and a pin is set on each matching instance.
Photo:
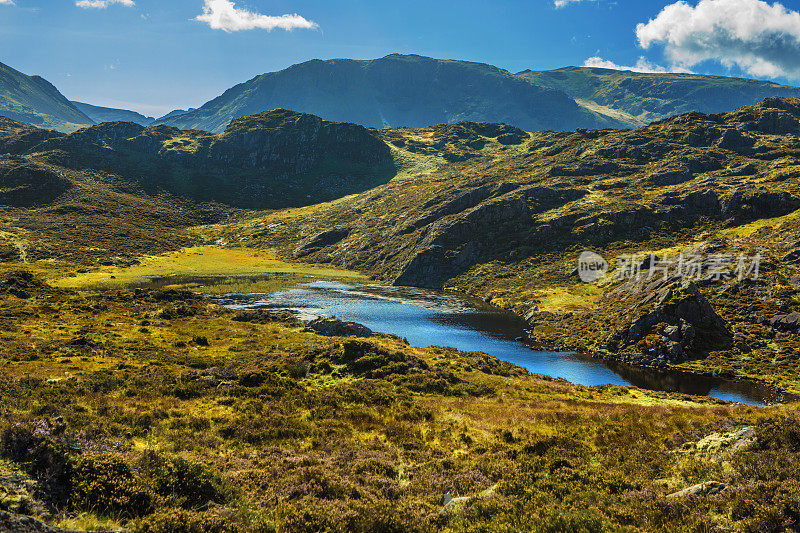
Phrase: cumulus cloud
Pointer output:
(759, 38)
(224, 15)
(642, 65)
(7, 2)
(102, 4)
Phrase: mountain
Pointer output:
(273, 159)
(34, 100)
(394, 91)
(108, 114)
(640, 98)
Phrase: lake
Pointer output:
(438, 318)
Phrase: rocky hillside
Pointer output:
(639, 98)
(509, 226)
(48, 212)
(107, 114)
(34, 100)
(275, 159)
(397, 90)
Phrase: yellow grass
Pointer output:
(746, 230)
(204, 261)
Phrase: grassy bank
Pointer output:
(211, 269)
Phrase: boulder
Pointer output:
(787, 322)
(333, 327)
(682, 319)
(701, 489)
(733, 139)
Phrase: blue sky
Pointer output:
(155, 55)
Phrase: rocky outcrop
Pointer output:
(29, 185)
(681, 320)
(786, 322)
(277, 158)
(282, 141)
(451, 245)
(733, 139)
(744, 204)
(774, 116)
(320, 240)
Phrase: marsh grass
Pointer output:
(211, 269)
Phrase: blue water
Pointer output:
(437, 318)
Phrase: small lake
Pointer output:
(437, 318)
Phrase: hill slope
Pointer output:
(393, 91)
(108, 114)
(34, 100)
(51, 212)
(639, 98)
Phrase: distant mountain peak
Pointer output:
(396, 90)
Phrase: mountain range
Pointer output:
(398, 90)
(416, 91)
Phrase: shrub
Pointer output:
(105, 484)
(41, 457)
(183, 521)
(183, 483)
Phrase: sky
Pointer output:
(153, 56)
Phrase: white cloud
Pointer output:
(642, 65)
(102, 4)
(759, 38)
(223, 15)
(7, 2)
(564, 3)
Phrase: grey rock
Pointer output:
(447, 500)
(681, 313)
(787, 322)
(701, 489)
(733, 139)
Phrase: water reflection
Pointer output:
(428, 318)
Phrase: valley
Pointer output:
(138, 394)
